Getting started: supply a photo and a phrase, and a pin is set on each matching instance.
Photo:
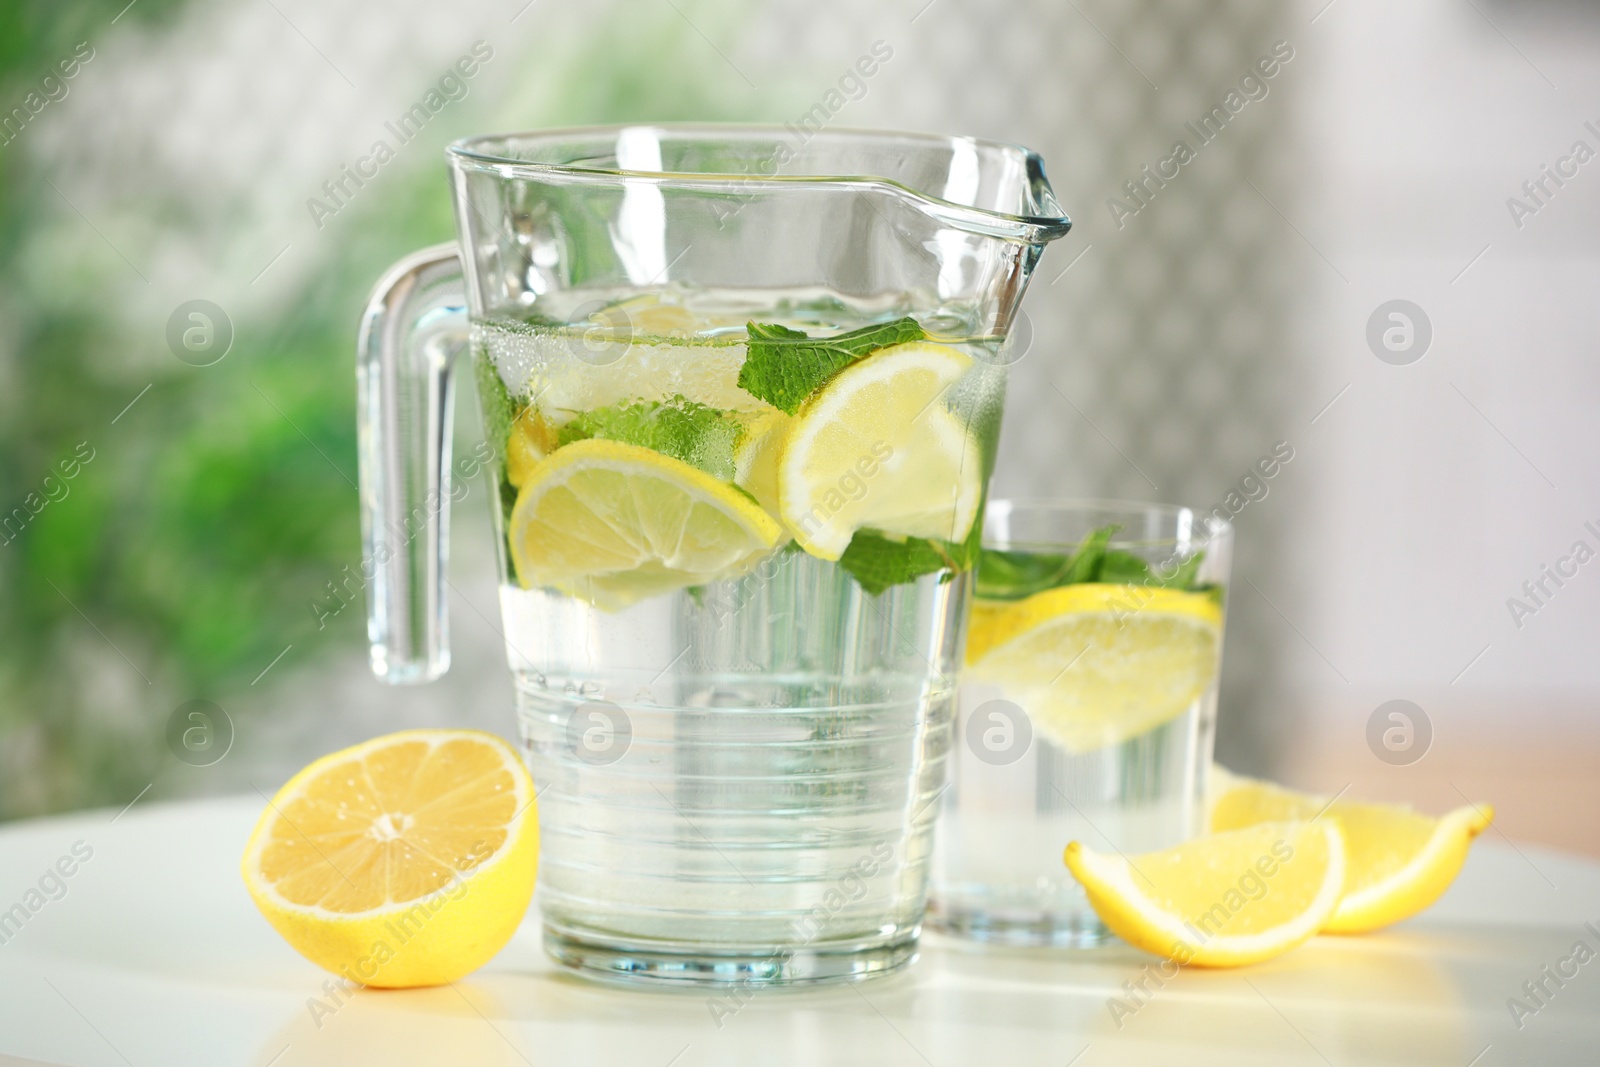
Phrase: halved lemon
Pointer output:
(1223, 900)
(614, 523)
(1094, 664)
(877, 446)
(1400, 861)
(407, 860)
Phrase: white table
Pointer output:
(155, 957)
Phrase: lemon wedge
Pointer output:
(407, 860)
(1220, 901)
(613, 523)
(531, 439)
(755, 461)
(1400, 861)
(876, 446)
(1094, 664)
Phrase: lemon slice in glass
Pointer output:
(1219, 901)
(406, 860)
(530, 440)
(1401, 861)
(876, 446)
(1094, 664)
(614, 523)
(755, 461)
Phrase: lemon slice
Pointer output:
(406, 860)
(530, 440)
(649, 316)
(1401, 861)
(877, 447)
(755, 461)
(1223, 900)
(1094, 664)
(641, 349)
(613, 523)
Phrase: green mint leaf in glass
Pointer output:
(1183, 576)
(964, 554)
(1090, 557)
(1015, 575)
(498, 407)
(698, 434)
(784, 366)
(878, 562)
(1006, 575)
(1124, 568)
(499, 415)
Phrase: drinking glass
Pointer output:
(1087, 710)
(740, 391)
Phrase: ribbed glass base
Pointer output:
(692, 968)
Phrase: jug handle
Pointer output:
(414, 327)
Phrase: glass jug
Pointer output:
(741, 393)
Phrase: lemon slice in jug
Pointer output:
(614, 523)
(877, 447)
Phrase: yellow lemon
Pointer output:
(1094, 664)
(1400, 860)
(614, 523)
(1219, 901)
(876, 446)
(756, 459)
(531, 439)
(407, 860)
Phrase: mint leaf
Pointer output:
(784, 366)
(1184, 576)
(1124, 568)
(1006, 575)
(499, 413)
(1090, 555)
(965, 553)
(877, 562)
(494, 401)
(1014, 575)
(698, 434)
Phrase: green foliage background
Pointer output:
(188, 551)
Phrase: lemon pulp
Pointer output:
(1224, 900)
(1400, 861)
(406, 860)
(1094, 664)
(613, 523)
(878, 447)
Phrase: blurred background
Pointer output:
(169, 531)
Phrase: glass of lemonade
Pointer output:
(1086, 712)
(740, 407)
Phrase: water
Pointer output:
(738, 779)
(714, 773)
(1000, 874)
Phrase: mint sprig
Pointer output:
(784, 366)
(1015, 575)
(1004, 575)
(877, 562)
(697, 434)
